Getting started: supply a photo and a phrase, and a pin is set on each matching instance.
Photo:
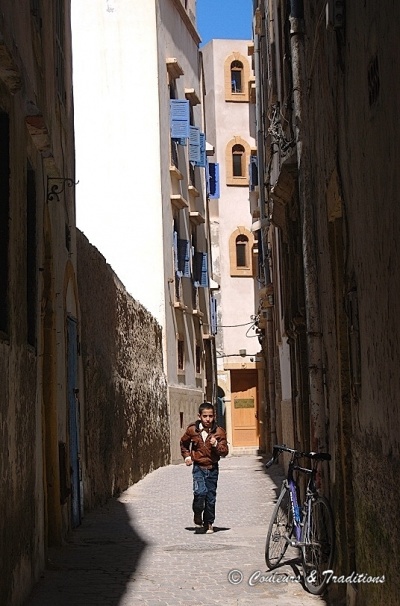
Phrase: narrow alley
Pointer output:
(142, 549)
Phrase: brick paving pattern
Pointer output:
(142, 549)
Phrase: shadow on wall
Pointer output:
(96, 566)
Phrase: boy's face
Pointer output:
(207, 417)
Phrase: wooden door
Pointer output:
(245, 431)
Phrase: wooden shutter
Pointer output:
(179, 118)
(213, 315)
(253, 173)
(201, 270)
(194, 145)
(202, 152)
(184, 257)
(176, 262)
(213, 171)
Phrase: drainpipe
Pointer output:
(264, 228)
(306, 195)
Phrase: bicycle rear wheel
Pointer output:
(280, 529)
(319, 544)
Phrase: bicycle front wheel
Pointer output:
(319, 544)
(280, 530)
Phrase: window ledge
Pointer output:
(192, 96)
(175, 172)
(173, 68)
(237, 98)
(246, 272)
(196, 218)
(198, 313)
(193, 191)
(180, 305)
(178, 201)
(238, 181)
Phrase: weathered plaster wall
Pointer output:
(352, 109)
(18, 464)
(125, 400)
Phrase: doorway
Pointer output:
(245, 428)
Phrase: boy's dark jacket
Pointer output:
(202, 452)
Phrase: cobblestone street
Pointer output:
(142, 549)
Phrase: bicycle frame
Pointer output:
(299, 513)
(308, 527)
(296, 509)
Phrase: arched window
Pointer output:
(242, 251)
(241, 244)
(238, 155)
(237, 158)
(236, 76)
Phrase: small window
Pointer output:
(181, 354)
(198, 359)
(241, 244)
(238, 155)
(242, 251)
(236, 76)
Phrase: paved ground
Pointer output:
(141, 549)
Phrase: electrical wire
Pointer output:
(236, 325)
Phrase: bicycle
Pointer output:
(309, 527)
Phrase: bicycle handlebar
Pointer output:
(278, 449)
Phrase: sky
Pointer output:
(224, 19)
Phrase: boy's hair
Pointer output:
(206, 406)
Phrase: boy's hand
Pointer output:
(188, 461)
(213, 441)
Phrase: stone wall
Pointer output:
(353, 115)
(126, 423)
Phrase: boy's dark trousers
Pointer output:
(205, 491)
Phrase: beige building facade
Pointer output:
(230, 116)
(140, 149)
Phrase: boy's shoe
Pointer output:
(198, 521)
(209, 528)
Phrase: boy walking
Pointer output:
(202, 445)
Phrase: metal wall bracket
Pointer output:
(59, 185)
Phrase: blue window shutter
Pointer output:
(202, 156)
(194, 145)
(184, 257)
(253, 173)
(179, 118)
(214, 180)
(201, 270)
(213, 315)
(176, 262)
